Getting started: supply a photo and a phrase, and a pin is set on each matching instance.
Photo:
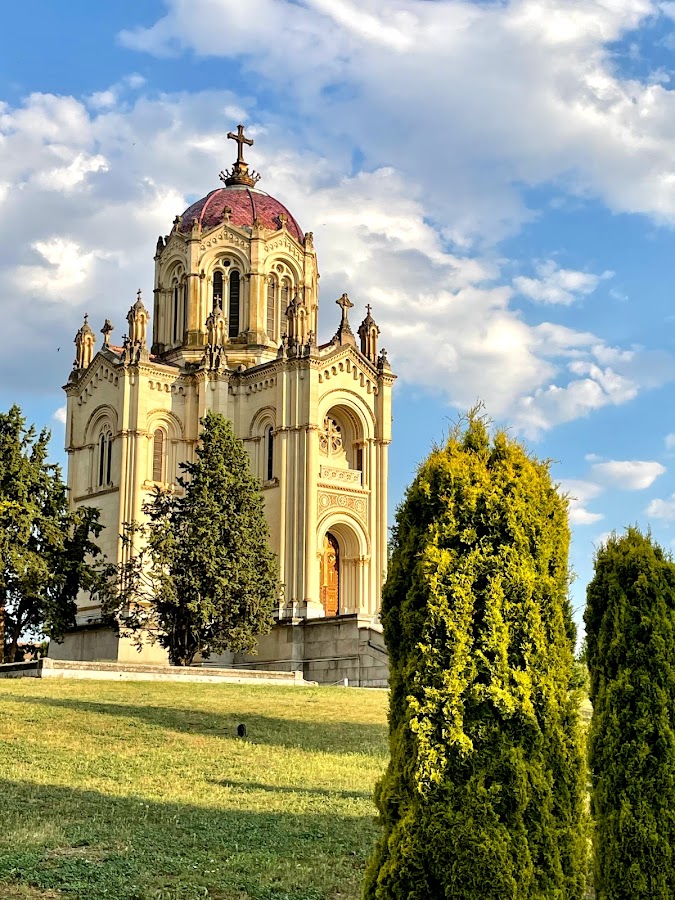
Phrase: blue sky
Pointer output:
(497, 179)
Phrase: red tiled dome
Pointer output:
(246, 205)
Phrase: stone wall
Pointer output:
(327, 651)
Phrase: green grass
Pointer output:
(143, 790)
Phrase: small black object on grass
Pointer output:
(241, 730)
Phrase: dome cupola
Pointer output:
(241, 249)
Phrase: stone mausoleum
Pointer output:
(234, 329)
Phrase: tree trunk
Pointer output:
(14, 646)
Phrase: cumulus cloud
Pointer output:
(503, 96)
(59, 415)
(662, 509)
(580, 493)
(449, 318)
(628, 474)
(558, 286)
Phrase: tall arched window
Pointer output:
(233, 314)
(269, 442)
(158, 456)
(104, 457)
(176, 302)
(217, 289)
(271, 303)
(285, 295)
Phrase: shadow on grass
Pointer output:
(94, 846)
(301, 734)
(289, 789)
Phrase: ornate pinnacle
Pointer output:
(105, 331)
(239, 173)
(344, 334)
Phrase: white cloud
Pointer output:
(449, 319)
(670, 441)
(558, 286)
(628, 474)
(662, 509)
(59, 415)
(580, 493)
(503, 96)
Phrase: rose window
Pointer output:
(330, 438)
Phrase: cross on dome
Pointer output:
(241, 139)
(239, 174)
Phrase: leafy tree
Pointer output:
(483, 798)
(47, 551)
(630, 628)
(200, 577)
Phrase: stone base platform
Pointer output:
(119, 671)
(347, 649)
(338, 650)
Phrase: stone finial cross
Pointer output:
(368, 308)
(241, 140)
(345, 305)
(105, 331)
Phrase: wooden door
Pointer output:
(330, 576)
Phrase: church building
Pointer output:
(234, 329)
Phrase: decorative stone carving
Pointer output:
(216, 338)
(106, 331)
(84, 346)
(328, 500)
(330, 437)
(135, 346)
(346, 476)
(368, 332)
(344, 334)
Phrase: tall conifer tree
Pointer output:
(47, 552)
(483, 796)
(201, 578)
(630, 626)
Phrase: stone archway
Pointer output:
(343, 546)
(330, 575)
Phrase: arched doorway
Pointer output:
(330, 575)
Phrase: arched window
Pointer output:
(271, 303)
(158, 456)
(176, 301)
(285, 295)
(104, 457)
(185, 308)
(233, 314)
(269, 446)
(217, 289)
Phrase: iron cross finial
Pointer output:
(241, 139)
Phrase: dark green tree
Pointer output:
(483, 798)
(200, 577)
(48, 553)
(630, 629)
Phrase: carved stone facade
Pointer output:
(234, 324)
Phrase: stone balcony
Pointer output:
(351, 478)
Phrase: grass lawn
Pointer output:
(140, 790)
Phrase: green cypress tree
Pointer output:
(631, 659)
(201, 577)
(483, 798)
(47, 552)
